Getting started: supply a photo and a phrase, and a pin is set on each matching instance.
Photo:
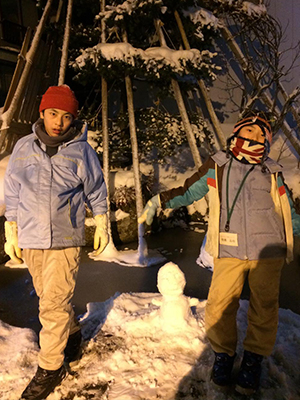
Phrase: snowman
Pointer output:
(175, 308)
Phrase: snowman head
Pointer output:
(170, 280)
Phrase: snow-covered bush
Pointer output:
(161, 62)
(160, 135)
(124, 198)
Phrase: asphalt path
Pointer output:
(98, 281)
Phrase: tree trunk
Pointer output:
(105, 134)
(142, 246)
(17, 98)
(18, 70)
(204, 91)
(59, 8)
(64, 55)
(134, 144)
(186, 123)
(181, 106)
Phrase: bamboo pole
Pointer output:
(142, 245)
(234, 47)
(202, 86)
(64, 55)
(181, 106)
(57, 17)
(134, 143)
(105, 133)
(17, 98)
(18, 71)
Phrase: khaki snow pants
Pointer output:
(54, 274)
(223, 302)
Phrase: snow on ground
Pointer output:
(143, 257)
(129, 354)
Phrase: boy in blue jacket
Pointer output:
(51, 175)
(250, 234)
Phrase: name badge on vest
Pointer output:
(229, 239)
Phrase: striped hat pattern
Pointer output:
(255, 120)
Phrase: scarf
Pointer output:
(247, 151)
(55, 141)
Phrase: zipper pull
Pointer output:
(227, 226)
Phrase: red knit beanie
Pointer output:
(60, 97)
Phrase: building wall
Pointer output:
(30, 13)
(15, 16)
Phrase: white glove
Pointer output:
(11, 247)
(150, 210)
(101, 234)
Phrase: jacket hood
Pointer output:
(82, 129)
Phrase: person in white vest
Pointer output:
(250, 234)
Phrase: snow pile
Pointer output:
(110, 51)
(253, 10)
(126, 8)
(247, 7)
(18, 354)
(142, 257)
(202, 18)
(153, 59)
(175, 58)
(129, 356)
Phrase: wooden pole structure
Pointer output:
(181, 106)
(134, 144)
(105, 133)
(17, 98)
(57, 17)
(142, 246)
(202, 86)
(234, 47)
(18, 71)
(64, 55)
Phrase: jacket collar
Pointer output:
(272, 166)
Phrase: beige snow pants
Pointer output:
(223, 302)
(54, 274)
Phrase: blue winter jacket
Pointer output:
(46, 196)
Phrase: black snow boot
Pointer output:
(249, 375)
(73, 349)
(43, 383)
(221, 372)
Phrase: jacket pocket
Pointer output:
(71, 216)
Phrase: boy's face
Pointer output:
(56, 121)
(252, 132)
